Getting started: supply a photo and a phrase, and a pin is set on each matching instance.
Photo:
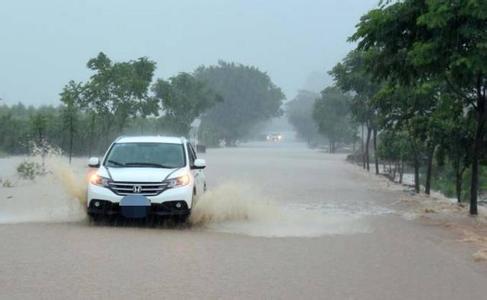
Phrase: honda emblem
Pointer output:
(137, 189)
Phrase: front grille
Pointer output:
(137, 188)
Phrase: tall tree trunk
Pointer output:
(366, 152)
(71, 133)
(458, 180)
(458, 188)
(477, 149)
(427, 186)
(401, 171)
(416, 173)
(364, 160)
(376, 158)
(91, 134)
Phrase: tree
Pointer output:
(411, 110)
(457, 133)
(39, 126)
(249, 97)
(351, 75)
(131, 81)
(184, 98)
(332, 114)
(117, 91)
(300, 115)
(434, 39)
(394, 147)
(65, 127)
(71, 98)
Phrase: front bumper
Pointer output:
(171, 202)
(169, 208)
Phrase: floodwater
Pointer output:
(278, 221)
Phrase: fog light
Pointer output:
(97, 203)
(178, 205)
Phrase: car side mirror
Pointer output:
(199, 164)
(94, 162)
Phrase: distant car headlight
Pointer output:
(99, 180)
(178, 181)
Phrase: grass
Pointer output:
(444, 181)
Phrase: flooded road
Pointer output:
(277, 222)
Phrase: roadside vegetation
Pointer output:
(416, 84)
(123, 98)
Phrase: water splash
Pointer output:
(236, 208)
(56, 196)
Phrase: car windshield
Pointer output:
(150, 155)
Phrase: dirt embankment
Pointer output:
(436, 209)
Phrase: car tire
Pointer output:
(183, 219)
(94, 219)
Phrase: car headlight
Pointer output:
(178, 181)
(99, 180)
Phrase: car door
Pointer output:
(198, 174)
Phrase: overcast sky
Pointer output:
(44, 44)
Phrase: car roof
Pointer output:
(151, 139)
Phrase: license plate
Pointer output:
(134, 206)
(135, 200)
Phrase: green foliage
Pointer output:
(116, 100)
(445, 182)
(249, 97)
(416, 43)
(209, 135)
(333, 115)
(184, 98)
(300, 115)
(394, 146)
(17, 130)
(6, 183)
(18, 126)
(39, 124)
(71, 97)
(117, 91)
(29, 170)
(351, 75)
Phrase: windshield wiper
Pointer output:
(116, 163)
(147, 164)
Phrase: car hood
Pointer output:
(139, 174)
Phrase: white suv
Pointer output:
(146, 176)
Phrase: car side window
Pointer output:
(194, 152)
(191, 154)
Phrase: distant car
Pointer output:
(146, 176)
(274, 137)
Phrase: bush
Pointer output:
(29, 170)
(6, 183)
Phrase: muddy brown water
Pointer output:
(278, 222)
